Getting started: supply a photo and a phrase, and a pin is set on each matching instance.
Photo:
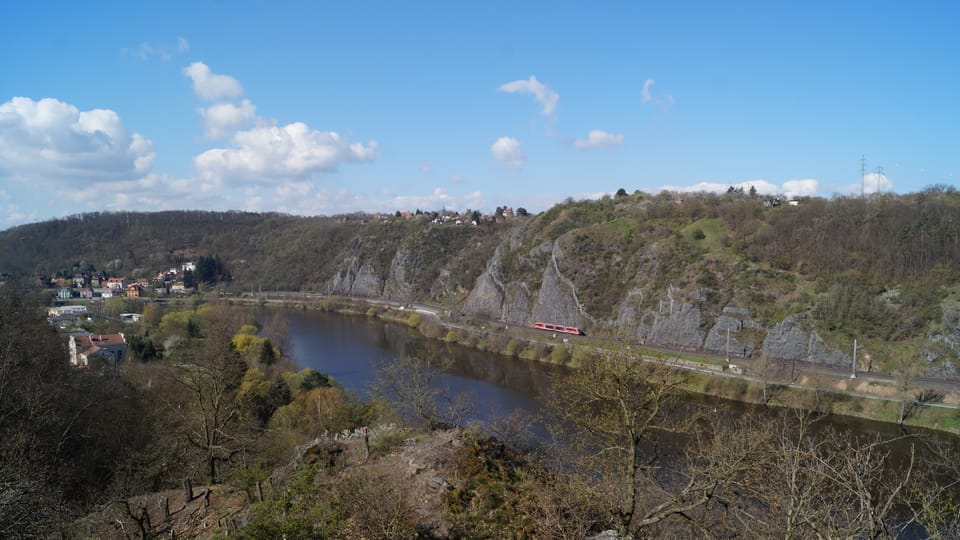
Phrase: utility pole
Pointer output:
(853, 373)
(728, 346)
(879, 174)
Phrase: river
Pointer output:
(351, 349)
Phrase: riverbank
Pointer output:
(768, 383)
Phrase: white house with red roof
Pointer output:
(97, 350)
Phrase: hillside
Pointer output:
(793, 282)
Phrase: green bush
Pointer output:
(413, 320)
(560, 355)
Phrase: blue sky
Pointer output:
(321, 108)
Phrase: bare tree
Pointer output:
(814, 482)
(624, 418)
(414, 388)
(210, 374)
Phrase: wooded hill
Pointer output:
(793, 282)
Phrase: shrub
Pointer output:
(559, 355)
(413, 321)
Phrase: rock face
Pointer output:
(789, 341)
(680, 328)
(557, 299)
(728, 326)
(486, 298)
(357, 279)
(399, 285)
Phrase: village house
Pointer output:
(116, 283)
(97, 350)
(62, 311)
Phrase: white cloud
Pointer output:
(507, 151)
(872, 183)
(790, 188)
(546, 97)
(223, 119)
(806, 187)
(49, 140)
(212, 86)
(876, 183)
(271, 153)
(648, 98)
(599, 139)
(647, 84)
(294, 189)
(426, 169)
(456, 178)
(146, 51)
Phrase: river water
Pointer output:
(352, 349)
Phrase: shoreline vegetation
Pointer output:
(897, 402)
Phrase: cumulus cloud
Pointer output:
(222, 119)
(212, 86)
(599, 139)
(790, 188)
(146, 51)
(647, 97)
(546, 97)
(877, 183)
(270, 153)
(806, 187)
(507, 151)
(55, 141)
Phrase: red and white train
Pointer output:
(558, 328)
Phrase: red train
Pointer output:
(558, 328)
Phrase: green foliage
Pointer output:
(388, 442)
(180, 323)
(259, 396)
(496, 496)
(248, 329)
(413, 320)
(313, 379)
(560, 355)
(303, 510)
